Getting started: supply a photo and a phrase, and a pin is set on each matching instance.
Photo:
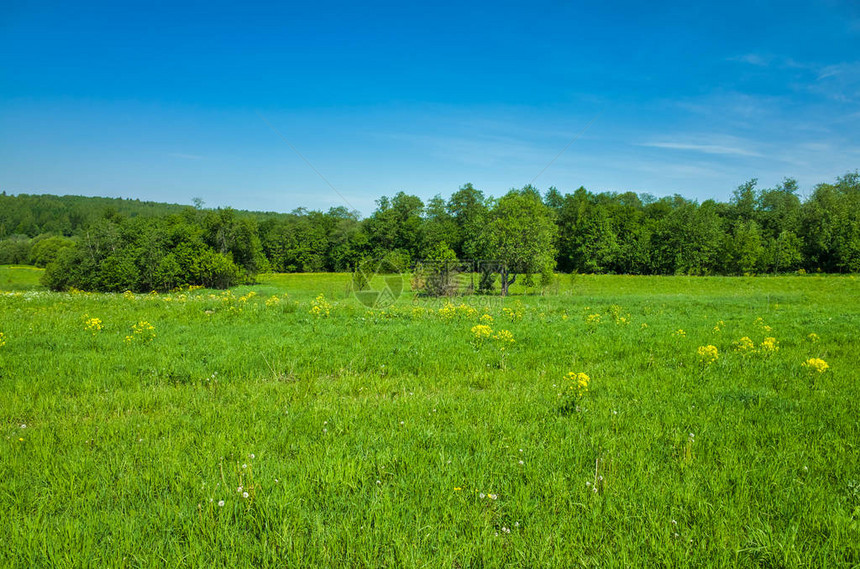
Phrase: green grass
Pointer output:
(20, 277)
(367, 438)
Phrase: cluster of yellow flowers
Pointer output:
(142, 332)
(578, 383)
(273, 301)
(745, 345)
(449, 311)
(769, 346)
(760, 323)
(679, 332)
(813, 337)
(708, 354)
(816, 365)
(592, 319)
(320, 306)
(481, 332)
(247, 297)
(128, 295)
(515, 313)
(503, 337)
(93, 325)
(486, 319)
(2, 339)
(719, 326)
(617, 316)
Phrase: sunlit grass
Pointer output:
(401, 437)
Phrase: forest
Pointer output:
(108, 244)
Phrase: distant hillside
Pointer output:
(32, 215)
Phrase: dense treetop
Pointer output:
(115, 244)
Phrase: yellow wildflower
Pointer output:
(816, 365)
(320, 306)
(481, 332)
(143, 331)
(769, 345)
(745, 345)
(486, 319)
(93, 325)
(503, 337)
(813, 337)
(578, 382)
(708, 354)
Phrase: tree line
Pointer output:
(115, 245)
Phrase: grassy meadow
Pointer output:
(286, 425)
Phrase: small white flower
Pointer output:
(252, 455)
(239, 489)
(516, 524)
(588, 483)
(244, 466)
(276, 480)
(521, 462)
(220, 503)
(378, 482)
(325, 430)
(244, 494)
(674, 523)
(23, 426)
(482, 495)
(493, 496)
(401, 422)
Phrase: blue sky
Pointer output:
(171, 101)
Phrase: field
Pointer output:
(288, 429)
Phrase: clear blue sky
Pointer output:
(164, 101)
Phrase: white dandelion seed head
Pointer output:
(239, 489)
(244, 494)
(220, 503)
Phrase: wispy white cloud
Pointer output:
(756, 59)
(704, 148)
